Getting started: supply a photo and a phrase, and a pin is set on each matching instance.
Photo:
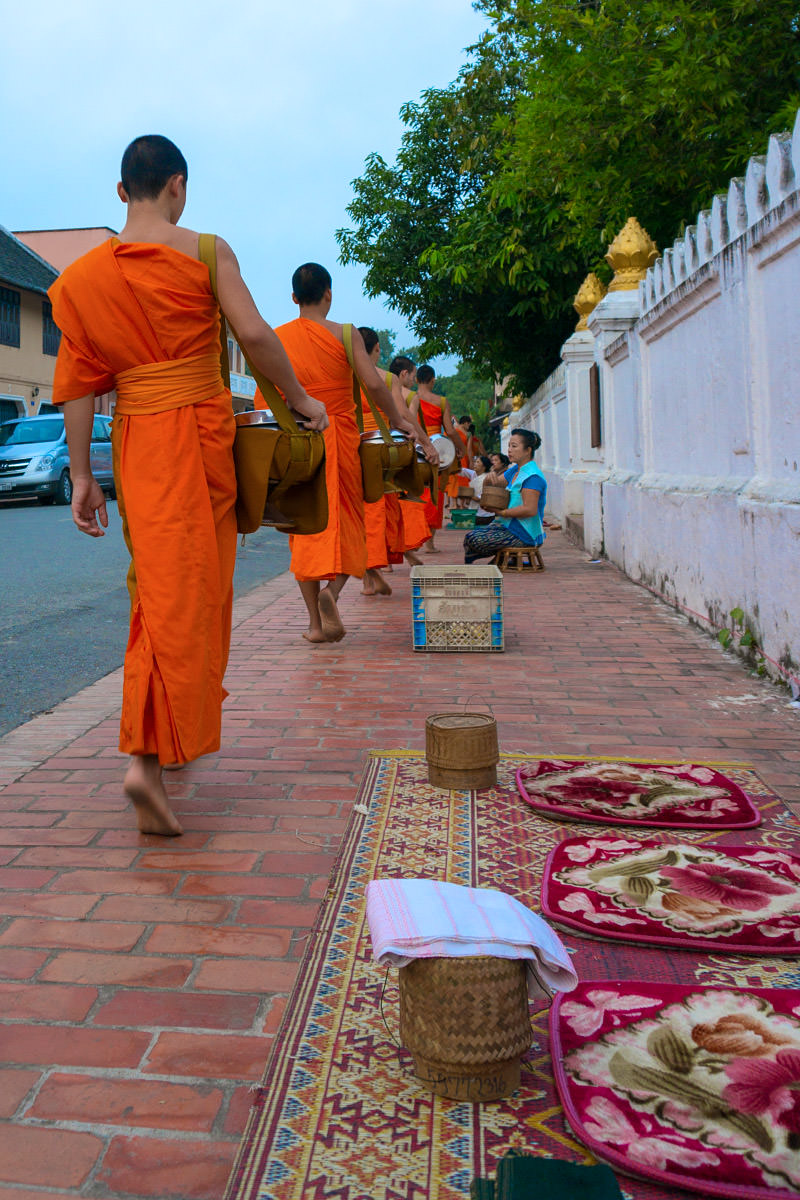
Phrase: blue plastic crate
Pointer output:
(457, 609)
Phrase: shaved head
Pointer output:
(148, 164)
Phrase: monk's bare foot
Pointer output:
(315, 636)
(412, 559)
(431, 549)
(332, 626)
(144, 789)
(375, 584)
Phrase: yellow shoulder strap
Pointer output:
(207, 253)
(358, 389)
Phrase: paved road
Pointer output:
(64, 604)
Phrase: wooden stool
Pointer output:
(519, 558)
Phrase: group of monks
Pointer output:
(138, 314)
(360, 538)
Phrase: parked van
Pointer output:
(34, 459)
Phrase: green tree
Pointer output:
(569, 116)
(386, 340)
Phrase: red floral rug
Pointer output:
(740, 900)
(689, 1087)
(683, 796)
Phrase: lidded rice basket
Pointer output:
(494, 497)
(465, 1022)
(462, 750)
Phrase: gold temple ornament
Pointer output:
(587, 298)
(629, 255)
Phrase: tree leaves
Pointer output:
(568, 117)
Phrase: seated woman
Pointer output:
(521, 523)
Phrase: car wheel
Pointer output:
(64, 489)
(111, 492)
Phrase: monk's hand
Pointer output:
(430, 451)
(89, 505)
(314, 411)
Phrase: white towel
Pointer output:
(423, 918)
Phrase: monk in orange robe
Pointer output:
(411, 523)
(433, 412)
(316, 350)
(138, 314)
(395, 527)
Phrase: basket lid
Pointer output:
(460, 720)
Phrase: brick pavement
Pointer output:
(142, 980)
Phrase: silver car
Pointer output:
(34, 459)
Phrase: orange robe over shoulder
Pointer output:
(320, 363)
(457, 481)
(375, 513)
(431, 415)
(142, 318)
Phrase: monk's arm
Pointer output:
(447, 420)
(385, 400)
(88, 500)
(258, 339)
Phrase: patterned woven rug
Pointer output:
(709, 898)
(341, 1113)
(661, 795)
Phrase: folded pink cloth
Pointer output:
(423, 918)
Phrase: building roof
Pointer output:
(62, 246)
(22, 267)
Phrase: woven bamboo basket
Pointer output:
(465, 1022)
(465, 492)
(495, 498)
(462, 750)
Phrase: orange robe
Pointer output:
(457, 481)
(431, 415)
(406, 525)
(122, 308)
(375, 513)
(320, 363)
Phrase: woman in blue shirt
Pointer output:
(521, 523)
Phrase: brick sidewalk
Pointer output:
(144, 979)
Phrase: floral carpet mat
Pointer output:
(696, 1087)
(741, 900)
(340, 1113)
(624, 792)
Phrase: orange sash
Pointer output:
(163, 386)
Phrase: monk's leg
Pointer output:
(332, 625)
(309, 590)
(412, 559)
(144, 788)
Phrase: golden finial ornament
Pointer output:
(629, 255)
(587, 297)
(517, 402)
(505, 423)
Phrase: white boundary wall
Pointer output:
(695, 489)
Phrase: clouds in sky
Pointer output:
(275, 106)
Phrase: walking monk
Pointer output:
(138, 314)
(316, 351)
(401, 523)
(433, 412)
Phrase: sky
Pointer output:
(274, 105)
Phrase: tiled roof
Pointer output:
(21, 267)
